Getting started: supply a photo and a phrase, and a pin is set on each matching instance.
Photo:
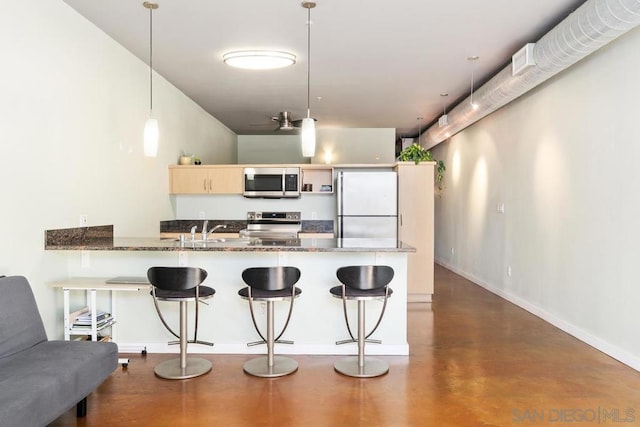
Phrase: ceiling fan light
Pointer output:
(151, 138)
(259, 59)
(308, 136)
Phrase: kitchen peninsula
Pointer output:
(317, 320)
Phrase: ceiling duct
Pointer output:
(591, 26)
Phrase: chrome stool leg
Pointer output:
(270, 366)
(360, 366)
(179, 369)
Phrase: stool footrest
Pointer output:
(251, 344)
(369, 340)
(191, 342)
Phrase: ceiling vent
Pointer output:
(443, 120)
(523, 59)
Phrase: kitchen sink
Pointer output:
(196, 241)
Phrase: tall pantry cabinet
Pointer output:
(415, 225)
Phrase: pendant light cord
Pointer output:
(472, 85)
(308, 62)
(151, 59)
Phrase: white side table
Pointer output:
(91, 285)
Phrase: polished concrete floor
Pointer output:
(476, 360)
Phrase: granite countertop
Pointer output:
(101, 238)
(236, 245)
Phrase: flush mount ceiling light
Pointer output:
(472, 59)
(259, 59)
(308, 132)
(151, 132)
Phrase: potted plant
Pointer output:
(416, 153)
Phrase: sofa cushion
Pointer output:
(44, 381)
(20, 322)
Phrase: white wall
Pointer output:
(356, 145)
(72, 109)
(279, 148)
(346, 145)
(564, 161)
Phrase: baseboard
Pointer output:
(241, 348)
(586, 337)
(419, 297)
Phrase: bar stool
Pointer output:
(270, 284)
(362, 283)
(180, 284)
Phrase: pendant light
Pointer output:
(472, 59)
(308, 132)
(151, 126)
(444, 119)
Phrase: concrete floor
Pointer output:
(476, 360)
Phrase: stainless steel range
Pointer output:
(273, 226)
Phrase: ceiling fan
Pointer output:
(285, 122)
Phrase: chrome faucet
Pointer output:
(193, 232)
(206, 233)
(204, 229)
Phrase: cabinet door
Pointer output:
(225, 180)
(189, 180)
(205, 180)
(415, 225)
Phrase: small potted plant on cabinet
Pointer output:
(416, 153)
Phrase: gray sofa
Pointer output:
(41, 379)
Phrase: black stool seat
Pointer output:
(270, 284)
(261, 294)
(186, 294)
(354, 294)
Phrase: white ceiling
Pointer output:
(375, 63)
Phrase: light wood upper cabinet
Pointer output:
(415, 225)
(205, 179)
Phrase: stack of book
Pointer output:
(83, 320)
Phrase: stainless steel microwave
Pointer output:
(272, 183)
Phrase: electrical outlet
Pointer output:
(314, 215)
(201, 215)
(83, 221)
(182, 259)
(85, 259)
(500, 208)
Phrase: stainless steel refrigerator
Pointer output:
(367, 205)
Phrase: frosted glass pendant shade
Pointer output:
(151, 138)
(308, 134)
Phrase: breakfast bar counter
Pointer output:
(317, 321)
(236, 245)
